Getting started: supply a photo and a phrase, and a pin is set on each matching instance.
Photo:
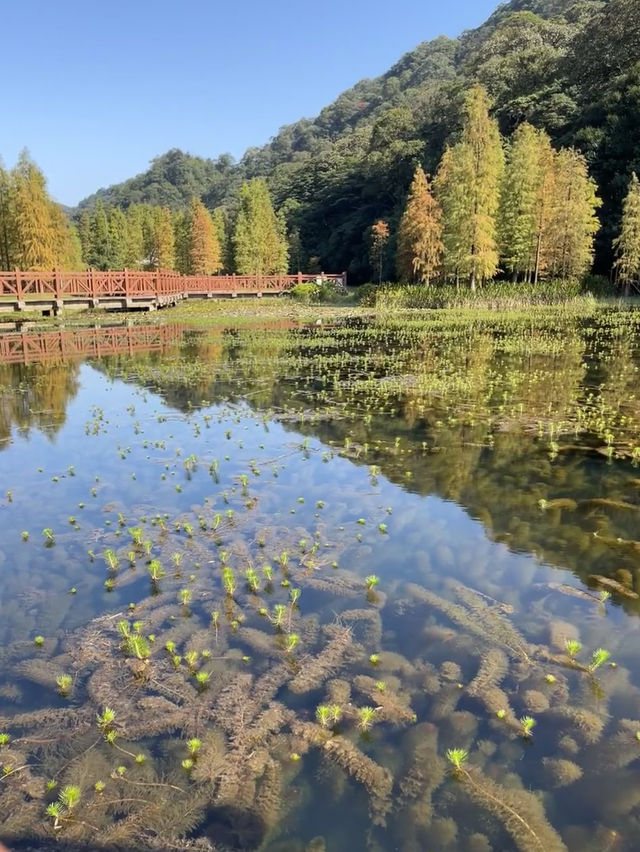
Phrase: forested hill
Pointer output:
(571, 67)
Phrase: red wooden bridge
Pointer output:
(127, 289)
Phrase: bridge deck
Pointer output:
(130, 289)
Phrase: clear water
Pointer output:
(483, 476)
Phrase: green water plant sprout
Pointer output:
(457, 757)
(598, 658)
(371, 581)
(228, 581)
(67, 800)
(365, 717)
(527, 724)
(572, 647)
(64, 683)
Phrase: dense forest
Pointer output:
(567, 69)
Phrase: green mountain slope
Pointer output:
(570, 66)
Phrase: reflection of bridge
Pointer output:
(65, 344)
(130, 288)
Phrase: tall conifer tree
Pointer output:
(134, 245)
(420, 246)
(223, 233)
(100, 244)
(468, 188)
(35, 237)
(204, 249)
(7, 219)
(117, 237)
(160, 240)
(519, 201)
(573, 222)
(258, 242)
(627, 244)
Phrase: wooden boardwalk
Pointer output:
(130, 289)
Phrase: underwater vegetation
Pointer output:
(351, 586)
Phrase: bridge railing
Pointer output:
(133, 283)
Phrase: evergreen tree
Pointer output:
(379, 240)
(133, 255)
(627, 244)
(67, 249)
(100, 246)
(573, 222)
(544, 203)
(258, 241)
(223, 233)
(451, 194)
(204, 249)
(35, 238)
(517, 219)
(420, 244)
(468, 187)
(160, 247)
(84, 235)
(117, 238)
(181, 240)
(7, 219)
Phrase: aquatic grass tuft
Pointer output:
(598, 658)
(457, 757)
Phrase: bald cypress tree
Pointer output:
(521, 198)
(223, 233)
(100, 239)
(259, 243)
(133, 255)
(7, 219)
(159, 238)
(420, 246)
(35, 240)
(468, 189)
(203, 246)
(573, 222)
(627, 244)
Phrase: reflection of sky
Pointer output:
(426, 537)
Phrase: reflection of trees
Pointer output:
(210, 366)
(35, 395)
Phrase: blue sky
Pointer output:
(96, 90)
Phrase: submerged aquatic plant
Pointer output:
(106, 718)
(598, 658)
(527, 724)
(457, 757)
(371, 581)
(193, 746)
(365, 717)
(228, 581)
(291, 640)
(252, 580)
(64, 683)
(572, 647)
(323, 715)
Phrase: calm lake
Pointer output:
(358, 586)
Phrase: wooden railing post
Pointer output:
(126, 283)
(18, 285)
